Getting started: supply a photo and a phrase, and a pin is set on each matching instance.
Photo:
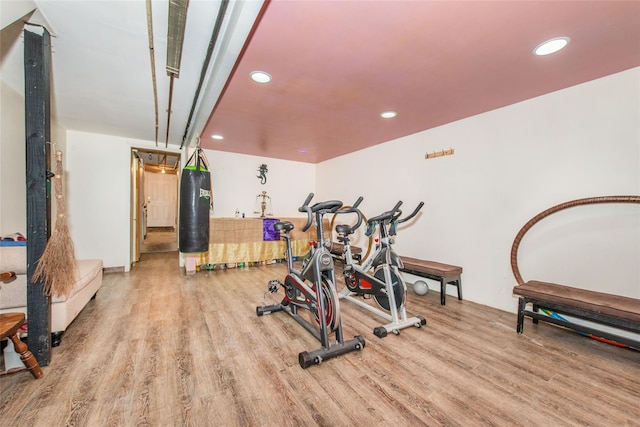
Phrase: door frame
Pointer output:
(137, 226)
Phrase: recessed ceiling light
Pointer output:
(551, 46)
(216, 136)
(260, 77)
(388, 114)
(302, 150)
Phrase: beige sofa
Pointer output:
(13, 295)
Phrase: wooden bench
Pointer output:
(444, 273)
(601, 308)
(606, 309)
(337, 250)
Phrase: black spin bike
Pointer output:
(313, 288)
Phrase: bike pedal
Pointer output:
(273, 285)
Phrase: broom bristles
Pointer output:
(57, 265)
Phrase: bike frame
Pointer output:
(316, 277)
(383, 259)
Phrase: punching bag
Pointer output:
(195, 202)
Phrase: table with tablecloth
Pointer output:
(250, 240)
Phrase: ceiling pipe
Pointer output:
(175, 39)
(205, 66)
(175, 34)
(171, 77)
(153, 63)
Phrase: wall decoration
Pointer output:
(262, 170)
(440, 153)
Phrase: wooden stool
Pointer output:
(9, 325)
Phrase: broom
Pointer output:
(57, 266)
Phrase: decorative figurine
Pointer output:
(263, 173)
(264, 202)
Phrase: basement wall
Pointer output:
(509, 165)
(13, 176)
(100, 191)
(236, 184)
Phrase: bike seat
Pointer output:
(283, 225)
(343, 229)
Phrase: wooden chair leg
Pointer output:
(27, 357)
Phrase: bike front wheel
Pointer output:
(331, 305)
(399, 290)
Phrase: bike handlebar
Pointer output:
(388, 214)
(391, 217)
(354, 209)
(357, 203)
(383, 217)
(357, 211)
(306, 203)
(395, 221)
(328, 206)
(305, 208)
(414, 213)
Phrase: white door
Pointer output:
(161, 191)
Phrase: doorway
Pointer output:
(161, 195)
(161, 208)
(154, 202)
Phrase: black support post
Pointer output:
(37, 66)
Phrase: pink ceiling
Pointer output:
(336, 65)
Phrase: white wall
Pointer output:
(235, 184)
(13, 189)
(13, 208)
(10, 11)
(98, 191)
(99, 195)
(509, 165)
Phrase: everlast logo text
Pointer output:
(205, 193)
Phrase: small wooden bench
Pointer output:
(444, 273)
(599, 307)
(607, 309)
(337, 250)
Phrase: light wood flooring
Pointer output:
(159, 348)
(159, 239)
